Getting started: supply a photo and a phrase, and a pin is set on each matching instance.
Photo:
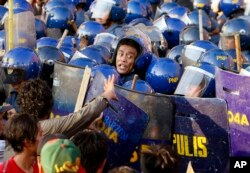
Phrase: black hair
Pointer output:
(123, 169)
(21, 127)
(158, 158)
(35, 98)
(94, 148)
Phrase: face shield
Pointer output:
(159, 44)
(194, 82)
(191, 54)
(14, 76)
(226, 42)
(102, 8)
(107, 40)
(161, 23)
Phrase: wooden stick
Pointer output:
(10, 26)
(83, 89)
(134, 81)
(238, 51)
(200, 25)
(65, 33)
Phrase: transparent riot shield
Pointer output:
(23, 29)
(66, 86)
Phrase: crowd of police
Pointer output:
(173, 47)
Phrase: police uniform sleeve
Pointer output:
(74, 122)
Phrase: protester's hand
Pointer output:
(10, 112)
(93, 124)
(109, 88)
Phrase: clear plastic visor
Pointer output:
(102, 8)
(194, 82)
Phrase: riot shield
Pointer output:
(234, 89)
(201, 134)
(23, 29)
(66, 85)
(123, 123)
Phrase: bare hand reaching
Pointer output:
(109, 88)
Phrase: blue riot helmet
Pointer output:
(191, 34)
(82, 62)
(141, 21)
(3, 10)
(229, 29)
(194, 19)
(87, 32)
(164, 9)
(171, 28)
(143, 61)
(192, 52)
(197, 81)
(135, 10)
(20, 64)
(148, 7)
(140, 86)
(23, 4)
(228, 7)
(40, 28)
(202, 4)
(175, 53)
(107, 40)
(181, 13)
(218, 58)
(70, 41)
(54, 3)
(58, 17)
(109, 10)
(48, 55)
(163, 75)
(106, 70)
(95, 53)
(46, 41)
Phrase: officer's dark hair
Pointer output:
(123, 169)
(158, 158)
(35, 98)
(19, 128)
(130, 42)
(94, 148)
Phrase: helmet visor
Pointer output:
(227, 42)
(194, 82)
(14, 76)
(102, 8)
(191, 55)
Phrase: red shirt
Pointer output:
(11, 167)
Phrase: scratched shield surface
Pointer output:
(234, 88)
(201, 134)
(66, 85)
(123, 123)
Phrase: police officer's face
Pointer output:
(125, 59)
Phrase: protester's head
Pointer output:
(35, 98)
(157, 158)
(23, 130)
(128, 49)
(122, 169)
(94, 149)
(60, 155)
